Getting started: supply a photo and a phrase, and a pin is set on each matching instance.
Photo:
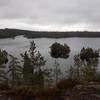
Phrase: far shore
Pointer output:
(12, 33)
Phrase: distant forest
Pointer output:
(11, 33)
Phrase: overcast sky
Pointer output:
(61, 15)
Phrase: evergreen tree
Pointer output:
(39, 71)
(27, 69)
(15, 71)
(3, 61)
(85, 65)
(33, 73)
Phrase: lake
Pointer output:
(20, 44)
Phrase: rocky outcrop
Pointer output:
(90, 91)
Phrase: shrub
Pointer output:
(67, 83)
(31, 93)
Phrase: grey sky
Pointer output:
(51, 15)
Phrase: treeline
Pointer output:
(11, 33)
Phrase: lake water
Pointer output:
(21, 44)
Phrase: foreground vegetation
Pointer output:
(29, 79)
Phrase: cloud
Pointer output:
(50, 14)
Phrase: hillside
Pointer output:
(11, 33)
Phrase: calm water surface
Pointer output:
(21, 44)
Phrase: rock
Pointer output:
(90, 91)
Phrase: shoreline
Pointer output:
(12, 33)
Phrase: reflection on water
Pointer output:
(21, 44)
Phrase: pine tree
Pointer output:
(27, 69)
(33, 73)
(15, 71)
(3, 61)
(39, 72)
